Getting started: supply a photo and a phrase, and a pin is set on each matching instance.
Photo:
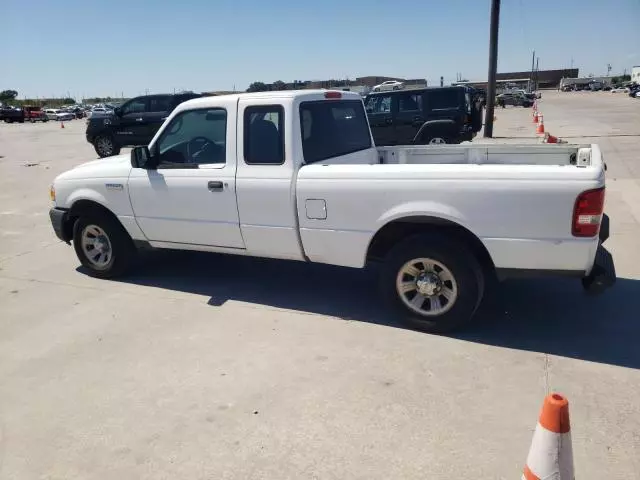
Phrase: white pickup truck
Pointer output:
(295, 175)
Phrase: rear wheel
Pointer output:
(102, 245)
(105, 146)
(437, 140)
(434, 282)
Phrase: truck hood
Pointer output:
(118, 166)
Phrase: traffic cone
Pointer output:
(540, 128)
(61, 124)
(535, 116)
(551, 455)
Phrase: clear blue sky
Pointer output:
(105, 47)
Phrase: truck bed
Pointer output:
(562, 155)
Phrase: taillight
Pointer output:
(587, 213)
(333, 95)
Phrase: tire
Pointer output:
(99, 232)
(453, 269)
(21, 120)
(435, 137)
(105, 146)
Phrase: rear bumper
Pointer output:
(59, 219)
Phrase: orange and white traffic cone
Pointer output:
(540, 127)
(61, 124)
(551, 454)
(535, 116)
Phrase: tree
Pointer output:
(279, 85)
(8, 95)
(258, 87)
(68, 101)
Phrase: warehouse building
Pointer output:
(527, 80)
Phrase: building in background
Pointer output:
(528, 80)
(635, 74)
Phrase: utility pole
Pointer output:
(533, 60)
(537, 70)
(442, 81)
(493, 67)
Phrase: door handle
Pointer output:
(215, 186)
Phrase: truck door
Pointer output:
(131, 128)
(380, 114)
(265, 179)
(191, 197)
(409, 117)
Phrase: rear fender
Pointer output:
(446, 127)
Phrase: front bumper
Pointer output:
(603, 273)
(59, 219)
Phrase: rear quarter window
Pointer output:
(443, 99)
(333, 128)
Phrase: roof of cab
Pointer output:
(203, 102)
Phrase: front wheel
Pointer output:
(434, 282)
(105, 146)
(102, 245)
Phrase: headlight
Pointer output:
(52, 193)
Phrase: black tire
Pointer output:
(467, 274)
(21, 120)
(121, 246)
(105, 146)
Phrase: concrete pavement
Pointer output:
(205, 366)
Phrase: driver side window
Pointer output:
(135, 106)
(194, 137)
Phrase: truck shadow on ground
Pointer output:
(544, 315)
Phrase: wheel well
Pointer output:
(389, 235)
(85, 207)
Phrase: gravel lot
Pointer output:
(204, 366)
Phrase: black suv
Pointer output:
(424, 116)
(133, 123)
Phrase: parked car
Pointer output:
(424, 116)
(388, 85)
(58, 115)
(35, 114)
(294, 175)
(515, 99)
(12, 114)
(134, 123)
(620, 90)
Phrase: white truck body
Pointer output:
(516, 200)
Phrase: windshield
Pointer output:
(333, 128)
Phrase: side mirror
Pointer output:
(141, 158)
